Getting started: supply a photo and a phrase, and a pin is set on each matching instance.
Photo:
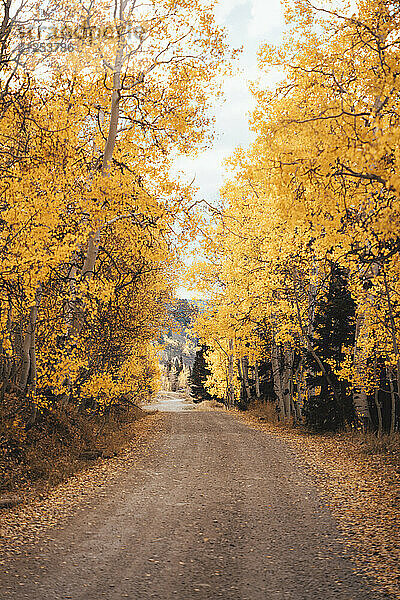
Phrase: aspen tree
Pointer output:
(319, 185)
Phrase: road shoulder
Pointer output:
(362, 492)
(27, 523)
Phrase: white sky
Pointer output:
(248, 23)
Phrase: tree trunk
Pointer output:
(299, 379)
(360, 399)
(28, 372)
(240, 376)
(94, 238)
(115, 101)
(393, 332)
(392, 401)
(286, 380)
(231, 388)
(257, 380)
(115, 113)
(376, 399)
(276, 374)
(307, 329)
(245, 373)
(360, 357)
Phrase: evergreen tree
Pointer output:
(334, 330)
(198, 376)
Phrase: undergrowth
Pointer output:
(369, 443)
(59, 443)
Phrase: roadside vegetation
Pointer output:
(59, 444)
(302, 259)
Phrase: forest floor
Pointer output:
(209, 508)
(35, 458)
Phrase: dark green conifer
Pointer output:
(334, 330)
(198, 376)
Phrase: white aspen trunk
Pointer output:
(245, 373)
(360, 399)
(276, 368)
(303, 390)
(389, 374)
(231, 389)
(240, 375)
(299, 379)
(94, 238)
(286, 380)
(294, 403)
(393, 333)
(257, 380)
(376, 399)
(115, 114)
(276, 361)
(28, 347)
(91, 256)
(312, 305)
(306, 390)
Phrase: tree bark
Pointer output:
(376, 399)
(286, 379)
(392, 401)
(257, 380)
(231, 389)
(276, 374)
(395, 345)
(28, 349)
(115, 97)
(245, 374)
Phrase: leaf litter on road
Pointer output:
(26, 523)
(363, 493)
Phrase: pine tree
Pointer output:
(335, 329)
(198, 376)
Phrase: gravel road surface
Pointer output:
(219, 510)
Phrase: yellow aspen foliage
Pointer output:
(317, 193)
(89, 129)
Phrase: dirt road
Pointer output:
(218, 510)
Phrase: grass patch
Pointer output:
(385, 444)
(263, 411)
(209, 405)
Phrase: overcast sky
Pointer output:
(248, 24)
